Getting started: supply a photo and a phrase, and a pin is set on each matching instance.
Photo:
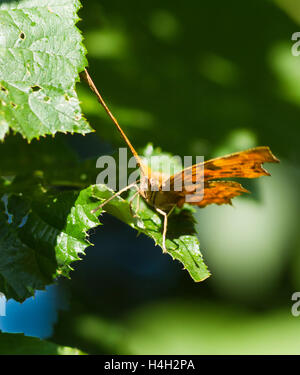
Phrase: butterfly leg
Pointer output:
(165, 215)
(131, 202)
(114, 196)
(137, 205)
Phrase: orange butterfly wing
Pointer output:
(218, 192)
(246, 164)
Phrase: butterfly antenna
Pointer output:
(102, 102)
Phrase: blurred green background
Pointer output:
(195, 78)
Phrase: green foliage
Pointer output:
(181, 242)
(43, 225)
(46, 195)
(46, 213)
(41, 54)
(209, 100)
(14, 344)
(43, 230)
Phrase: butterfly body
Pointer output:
(152, 190)
(164, 200)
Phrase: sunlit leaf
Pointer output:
(18, 344)
(41, 233)
(41, 54)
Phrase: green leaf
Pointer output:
(181, 242)
(42, 231)
(17, 343)
(45, 215)
(55, 161)
(50, 155)
(41, 54)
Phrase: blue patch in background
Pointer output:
(36, 316)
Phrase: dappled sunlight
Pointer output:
(182, 79)
(247, 245)
(107, 44)
(219, 70)
(188, 327)
(291, 7)
(287, 69)
(237, 140)
(164, 25)
(128, 117)
(99, 331)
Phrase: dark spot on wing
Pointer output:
(212, 167)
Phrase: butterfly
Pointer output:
(243, 164)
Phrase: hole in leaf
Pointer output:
(35, 88)
(66, 97)
(3, 89)
(22, 35)
(13, 104)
